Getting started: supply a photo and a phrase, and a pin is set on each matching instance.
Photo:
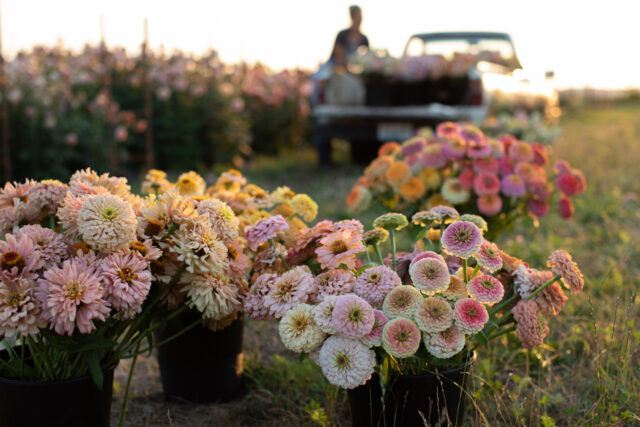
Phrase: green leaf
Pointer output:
(482, 338)
(91, 357)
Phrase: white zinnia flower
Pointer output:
(212, 295)
(197, 245)
(345, 362)
(323, 312)
(107, 223)
(298, 329)
(222, 218)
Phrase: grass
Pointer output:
(587, 373)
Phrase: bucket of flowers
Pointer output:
(201, 231)
(500, 179)
(77, 294)
(400, 332)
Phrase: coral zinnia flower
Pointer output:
(489, 204)
(485, 289)
(488, 256)
(531, 326)
(470, 315)
(339, 248)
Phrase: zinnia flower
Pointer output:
(211, 294)
(345, 362)
(470, 315)
(19, 309)
(339, 248)
(265, 230)
(254, 305)
(298, 330)
(477, 220)
(489, 204)
(488, 256)
(352, 316)
(52, 247)
(291, 289)
(198, 246)
(531, 326)
(359, 198)
(513, 186)
(462, 239)
(221, 217)
(561, 263)
(127, 281)
(457, 289)
(486, 183)
(401, 302)
(565, 206)
(333, 282)
(190, 184)
(433, 315)
(445, 344)
(71, 296)
(401, 337)
(434, 157)
(485, 289)
(453, 192)
(68, 213)
(430, 275)
(374, 236)
(374, 338)
(19, 257)
(375, 283)
(107, 223)
(305, 207)
(324, 312)
(391, 221)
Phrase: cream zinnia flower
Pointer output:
(221, 217)
(212, 295)
(107, 223)
(198, 246)
(299, 331)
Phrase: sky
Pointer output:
(587, 42)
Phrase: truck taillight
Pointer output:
(475, 92)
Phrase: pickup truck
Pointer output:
(444, 76)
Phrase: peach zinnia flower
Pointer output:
(352, 316)
(445, 344)
(398, 173)
(339, 248)
(489, 204)
(72, 296)
(412, 189)
(19, 309)
(375, 283)
(127, 281)
(53, 247)
(561, 263)
(107, 223)
(531, 326)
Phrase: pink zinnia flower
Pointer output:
(345, 362)
(20, 311)
(489, 204)
(526, 171)
(488, 256)
(53, 247)
(462, 239)
(455, 148)
(565, 206)
(19, 257)
(486, 183)
(562, 167)
(333, 282)
(486, 289)
(427, 254)
(506, 166)
(513, 186)
(561, 263)
(497, 148)
(434, 157)
(478, 149)
(445, 344)
(254, 305)
(72, 295)
(430, 275)
(467, 177)
(352, 316)
(401, 337)
(540, 156)
(289, 290)
(401, 301)
(472, 134)
(127, 281)
(488, 165)
(375, 283)
(340, 248)
(374, 338)
(470, 315)
(531, 326)
(568, 184)
(412, 146)
(448, 130)
(433, 315)
(265, 230)
(538, 207)
(521, 151)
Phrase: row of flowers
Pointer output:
(82, 100)
(499, 178)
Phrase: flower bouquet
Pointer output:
(199, 231)
(501, 179)
(78, 292)
(406, 326)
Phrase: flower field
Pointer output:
(586, 372)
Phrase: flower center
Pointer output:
(284, 289)
(355, 315)
(374, 277)
(74, 290)
(471, 312)
(402, 336)
(127, 275)
(487, 284)
(138, 246)
(342, 361)
(15, 298)
(463, 236)
(109, 213)
(431, 273)
(435, 312)
(233, 252)
(401, 301)
(154, 226)
(338, 247)
(300, 324)
(12, 259)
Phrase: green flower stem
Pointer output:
(368, 256)
(392, 237)
(475, 271)
(464, 270)
(430, 243)
(52, 222)
(503, 332)
(505, 319)
(46, 363)
(541, 288)
(123, 412)
(171, 338)
(379, 254)
(503, 304)
(284, 261)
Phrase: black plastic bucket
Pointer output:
(432, 399)
(201, 365)
(75, 402)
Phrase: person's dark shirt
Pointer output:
(344, 39)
